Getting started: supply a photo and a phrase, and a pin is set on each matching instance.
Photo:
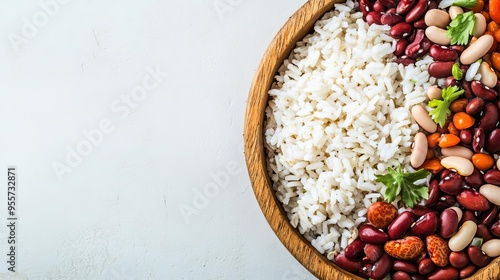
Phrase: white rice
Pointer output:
(339, 114)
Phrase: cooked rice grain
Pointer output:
(338, 115)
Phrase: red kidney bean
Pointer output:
(441, 53)
(426, 44)
(388, 3)
(400, 275)
(495, 229)
(488, 217)
(426, 225)
(391, 17)
(404, 6)
(467, 89)
(414, 49)
(492, 177)
(355, 249)
(450, 82)
(444, 202)
(451, 184)
(365, 271)
(478, 140)
(400, 47)
(483, 91)
(483, 232)
(420, 24)
(444, 174)
(373, 252)
(475, 180)
(404, 60)
(343, 262)
(492, 144)
(425, 266)
(459, 49)
(473, 200)
(467, 271)
(417, 277)
(419, 210)
(378, 7)
(474, 106)
(412, 37)
(366, 260)
(400, 225)
(477, 256)
(468, 216)
(489, 119)
(365, 7)
(440, 69)
(466, 136)
(401, 30)
(382, 267)
(417, 11)
(444, 273)
(374, 18)
(459, 259)
(405, 266)
(372, 235)
(433, 194)
(448, 223)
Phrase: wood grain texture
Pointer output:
(296, 28)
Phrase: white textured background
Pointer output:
(116, 213)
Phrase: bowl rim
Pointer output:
(297, 26)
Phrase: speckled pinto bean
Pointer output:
(448, 223)
(489, 119)
(483, 91)
(442, 53)
(440, 69)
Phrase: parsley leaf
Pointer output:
(442, 107)
(399, 182)
(457, 72)
(465, 3)
(460, 28)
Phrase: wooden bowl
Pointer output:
(295, 29)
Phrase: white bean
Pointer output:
(492, 248)
(461, 165)
(477, 50)
(491, 192)
(458, 151)
(419, 152)
(434, 92)
(463, 237)
(422, 117)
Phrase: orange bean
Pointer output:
(463, 120)
(482, 161)
(453, 130)
(433, 139)
(495, 44)
(449, 140)
(486, 14)
(430, 154)
(495, 59)
(497, 35)
(432, 165)
(459, 105)
(473, 40)
(479, 6)
(493, 27)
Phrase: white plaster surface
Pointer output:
(116, 212)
